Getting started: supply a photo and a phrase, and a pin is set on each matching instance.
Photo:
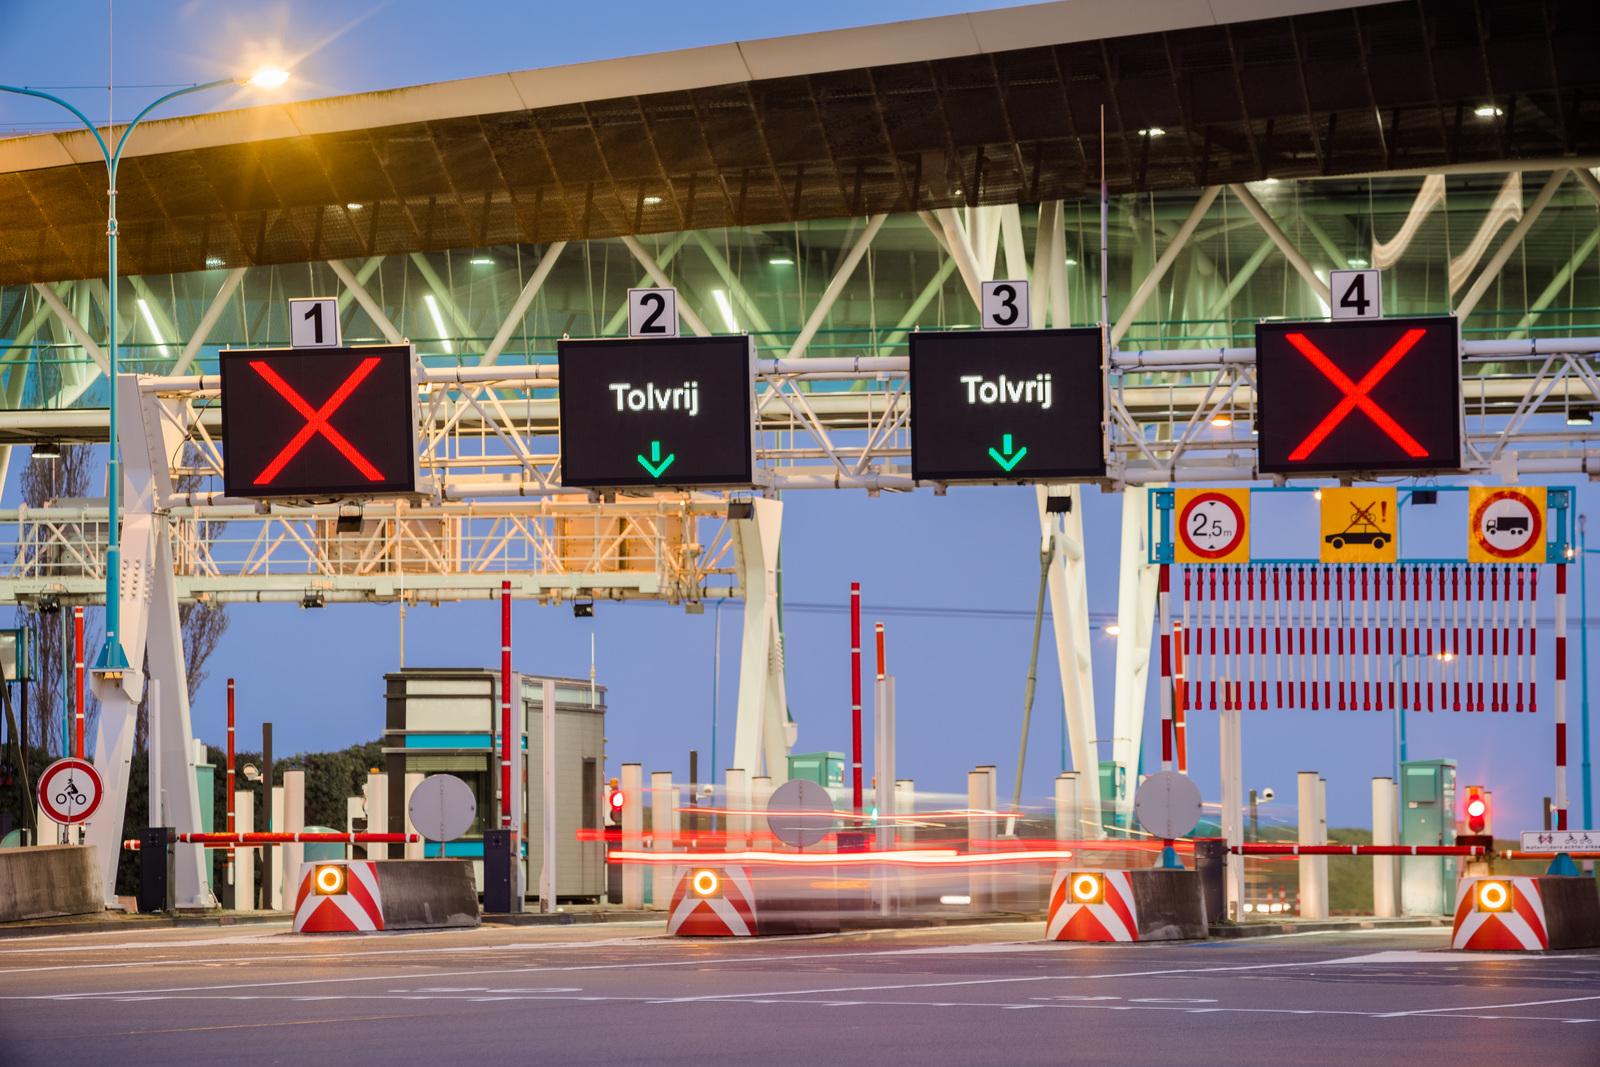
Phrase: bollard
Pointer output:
(1211, 860)
(632, 833)
(244, 859)
(497, 871)
(1313, 874)
(1385, 869)
(156, 869)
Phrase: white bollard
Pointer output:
(1385, 869)
(294, 821)
(413, 849)
(378, 813)
(663, 833)
(905, 806)
(736, 800)
(760, 797)
(631, 783)
(883, 759)
(275, 890)
(980, 829)
(1067, 824)
(244, 859)
(1313, 889)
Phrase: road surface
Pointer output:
(620, 994)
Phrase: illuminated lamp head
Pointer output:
(1088, 888)
(328, 879)
(705, 883)
(1492, 895)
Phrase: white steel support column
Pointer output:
(520, 306)
(1385, 869)
(736, 799)
(960, 248)
(208, 321)
(368, 304)
(1136, 611)
(1043, 264)
(736, 289)
(73, 326)
(1136, 302)
(1279, 238)
(1069, 620)
(1491, 270)
(760, 738)
(668, 250)
(631, 783)
(830, 295)
(150, 625)
(657, 275)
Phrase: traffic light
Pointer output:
(615, 799)
(1477, 810)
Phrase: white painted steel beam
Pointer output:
(657, 275)
(1281, 239)
(368, 304)
(1492, 269)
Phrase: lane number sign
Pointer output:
(652, 312)
(1213, 526)
(1356, 294)
(70, 790)
(1005, 305)
(314, 322)
(1508, 525)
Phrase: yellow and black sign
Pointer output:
(1213, 526)
(1359, 524)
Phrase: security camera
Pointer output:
(1268, 793)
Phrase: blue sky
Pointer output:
(317, 674)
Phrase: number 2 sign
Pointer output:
(652, 313)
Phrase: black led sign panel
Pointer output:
(1011, 406)
(1353, 396)
(656, 412)
(314, 423)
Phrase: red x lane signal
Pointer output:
(1358, 396)
(1355, 395)
(317, 421)
(300, 424)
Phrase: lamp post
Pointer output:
(112, 662)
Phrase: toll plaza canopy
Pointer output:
(997, 107)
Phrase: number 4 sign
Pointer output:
(314, 322)
(1356, 294)
(1005, 305)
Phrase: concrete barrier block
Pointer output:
(428, 894)
(48, 880)
(1515, 913)
(1138, 905)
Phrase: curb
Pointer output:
(98, 924)
(1322, 926)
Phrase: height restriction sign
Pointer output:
(1508, 525)
(1213, 526)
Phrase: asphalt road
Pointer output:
(620, 994)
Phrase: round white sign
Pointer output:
(69, 790)
(1168, 805)
(442, 807)
(800, 813)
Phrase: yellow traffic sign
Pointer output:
(1213, 526)
(1508, 525)
(1359, 524)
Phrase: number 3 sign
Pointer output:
(1005, 305)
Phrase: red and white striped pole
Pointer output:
(1180, 693)
(77, 674)
(1560, 813)
(855, 696)
(505, 705)
(1164, 614)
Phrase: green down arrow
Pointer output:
(1008, 460)
(658, 466)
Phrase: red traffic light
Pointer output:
(1477, 809)
(616, 800)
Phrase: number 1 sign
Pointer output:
(314, 322)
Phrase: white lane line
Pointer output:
(1489, 1007)
(117, 946)
(859, 989)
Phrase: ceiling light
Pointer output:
(1069, 261)
(1487, 111)
(726, 308)
(481, 261)
(47, 450)
(438, 321)
(1358, 262)
(352, 206)
(268, 78)
(214, 262)
(651, 201)
(1580, 417)
(1111, 629)
(781, 261)
(1222, 422)
(1152, 131)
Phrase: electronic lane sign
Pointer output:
(330, 422)
(1358, 395)
(657, 412)
(1013, 406)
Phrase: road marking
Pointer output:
(1490, 1007)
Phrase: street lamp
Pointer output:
(112, 662)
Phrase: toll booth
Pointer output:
(446, 721)
(1427, 817)
(824, 768)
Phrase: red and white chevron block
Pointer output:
(1500, 914)
(727, 910)
(358, 909)
(1112, 918)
